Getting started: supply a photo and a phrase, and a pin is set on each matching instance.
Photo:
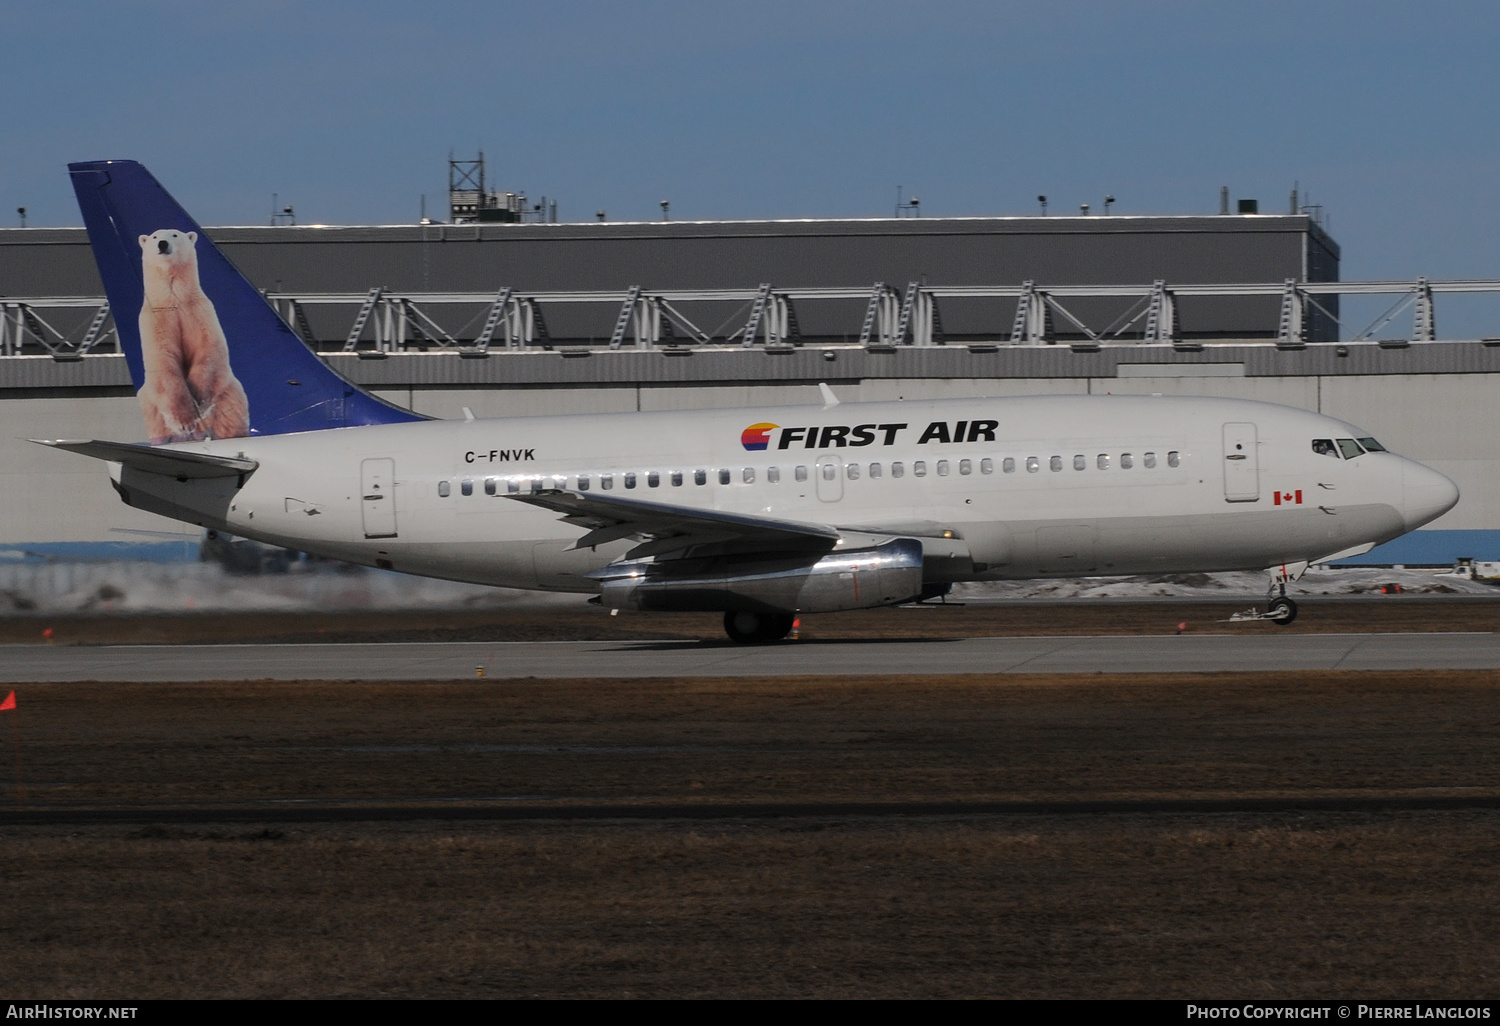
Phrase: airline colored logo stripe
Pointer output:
(757, 437)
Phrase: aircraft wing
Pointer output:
(155, 459)
(664, 528)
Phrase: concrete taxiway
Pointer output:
(572, 659)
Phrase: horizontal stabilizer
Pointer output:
(665, 529)
(154, 459)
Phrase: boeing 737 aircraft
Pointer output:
(759, 513)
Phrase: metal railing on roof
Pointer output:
(513, 320)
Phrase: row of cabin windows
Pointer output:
(629, 478)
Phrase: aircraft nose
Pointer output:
(1426, 494)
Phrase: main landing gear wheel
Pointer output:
(1283, 610)
(757, 628)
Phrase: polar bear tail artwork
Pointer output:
(209, 357)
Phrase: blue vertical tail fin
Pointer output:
(208, 355)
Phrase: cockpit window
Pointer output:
(1350, 448)
(1371, 445)
(1325, 447)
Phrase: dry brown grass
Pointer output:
(1258, 906)
(800, 739)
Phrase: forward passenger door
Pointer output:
(1241, 463)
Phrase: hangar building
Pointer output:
(1426, 398)
(805, 254)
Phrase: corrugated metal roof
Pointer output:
(720, 366)
(28, 372)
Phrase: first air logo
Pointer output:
(757, 437)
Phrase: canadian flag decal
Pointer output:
(1290, 498)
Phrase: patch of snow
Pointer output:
(1240, 585)
(207, 587)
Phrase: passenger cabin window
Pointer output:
(874, 469)
(583, 482)
(898, 469)
(1371, 445)
(987, 466)
(1174, 459)
(1350, 448)
(1080, 462)
(1056, 464)
(445, 489)
(700, 477)
(965, 466)
(724, 475)
(676, 479)
(467, 486)
(1126, 461)
(489, 486)
(513, 486)
(1149, 460)
(748, 475)
(607, 481)
(942, 468)
(919, 468)
(853, 471)
(630, 479)
(773, 474)
(1033, 464)
(830, 472)
(653, 479)
(800, 473)
(1103, 461)
(1325, 447)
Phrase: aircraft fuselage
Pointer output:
(1050, 486)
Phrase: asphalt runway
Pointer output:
(1199, 653)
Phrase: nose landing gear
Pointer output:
(1280, 610)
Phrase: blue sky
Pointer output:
(1383, 112)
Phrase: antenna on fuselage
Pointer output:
(829, 399)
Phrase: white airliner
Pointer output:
(761, 513)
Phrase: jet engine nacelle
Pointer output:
(879, 576)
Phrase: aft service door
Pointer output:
(1241, 464)
(830, 471)
(377, 491)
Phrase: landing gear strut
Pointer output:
(1279, 608)
(757, 628)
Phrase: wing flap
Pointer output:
(155, 459)
(663, 529)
